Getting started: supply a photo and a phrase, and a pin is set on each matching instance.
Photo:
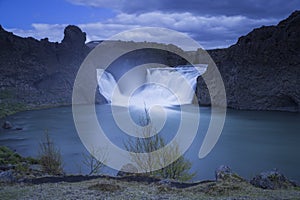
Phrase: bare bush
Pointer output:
(95, 165)
(49, 156)
(150, 142)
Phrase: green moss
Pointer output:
(7, 108)
(9, 157)
(297, 188)
(8, 93)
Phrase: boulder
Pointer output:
(7, 125)
(224, 173)
(127, 169)
(7, 177)
(272, 180)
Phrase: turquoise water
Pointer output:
(251, 141)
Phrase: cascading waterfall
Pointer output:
(163, 86)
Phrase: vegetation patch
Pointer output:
(9, 157)
(105, 187)
(9, 108)
(50, 157)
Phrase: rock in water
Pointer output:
(272, 180)
(7, 125)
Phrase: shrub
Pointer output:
(178, 170)
(50, 157)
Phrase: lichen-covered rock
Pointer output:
(224, 173)
(272, 180)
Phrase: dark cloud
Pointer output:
(214, 23)
(249, 8)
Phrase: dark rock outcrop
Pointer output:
(261, 71)
(272, 180)
(42, 73)
(36, 73)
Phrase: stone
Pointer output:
(272, 180)
(127, 169)
(7, 125)
(222, 172)
(7, 176)
(36, 167)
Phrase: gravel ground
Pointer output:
(106, 188)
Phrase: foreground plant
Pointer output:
(95, 165)
(150, 142)
(50, 156)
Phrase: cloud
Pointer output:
(54, 32)
(209, 31)
(249, 8)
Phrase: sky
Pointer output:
(212, 23)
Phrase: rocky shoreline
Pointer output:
(22, 178)
(230, 186)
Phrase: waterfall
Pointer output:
(163, 86)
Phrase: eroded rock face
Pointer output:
(40, 72)
(261, 71)
(74, 37)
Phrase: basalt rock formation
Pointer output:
(262, 70)
(40, 72)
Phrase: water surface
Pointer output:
(251, 141)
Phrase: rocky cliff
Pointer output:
(41, 73)
(262, 70)
(36, 72)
